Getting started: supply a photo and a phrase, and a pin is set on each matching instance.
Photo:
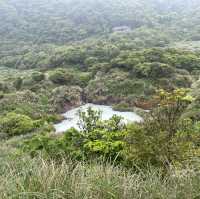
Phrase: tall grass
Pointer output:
(36, 178)
(26, 178)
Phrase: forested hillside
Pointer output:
(32, 21)
(140, 56)
(70, 21)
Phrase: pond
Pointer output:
(72, 118)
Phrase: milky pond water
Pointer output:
(72, 118)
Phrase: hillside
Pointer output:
(32, 21)
(139, 56)
(70, 21)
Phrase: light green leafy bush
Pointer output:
(16, 124)
(97, 139)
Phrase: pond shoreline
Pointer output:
(72, 118)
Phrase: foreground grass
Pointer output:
(26, 178)
(36, 178)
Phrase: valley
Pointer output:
(99, 99)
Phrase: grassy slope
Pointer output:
(36, 178)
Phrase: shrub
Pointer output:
(60, 77)
(18, 83)
(164, 138)
(16, 124)
(97, 139)
(153, 70)
(37, 76)
(82, 79)
(89, 120)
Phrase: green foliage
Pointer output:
(189, 62)
(37, 76)
(154, 70)
(163, 139)
(82, 79)
(89, 120)
(25, 103)
(15, 124)
(118, 67)
(97, 139)
(60, 76)
(77, 23)
(18, 83)
(107, 72)
(103, 52)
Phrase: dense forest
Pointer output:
(139, 56)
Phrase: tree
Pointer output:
(171, 106)
(89, 120)
(162, 139)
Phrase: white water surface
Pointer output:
(72, 118)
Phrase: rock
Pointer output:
(64, 98)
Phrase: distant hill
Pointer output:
(59, 21)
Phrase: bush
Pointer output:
(82, 79)
(60, 76)
(16, 124)
(37, 76)
(153, 70)
(164, 138)
(97, 139)
(18, 83)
